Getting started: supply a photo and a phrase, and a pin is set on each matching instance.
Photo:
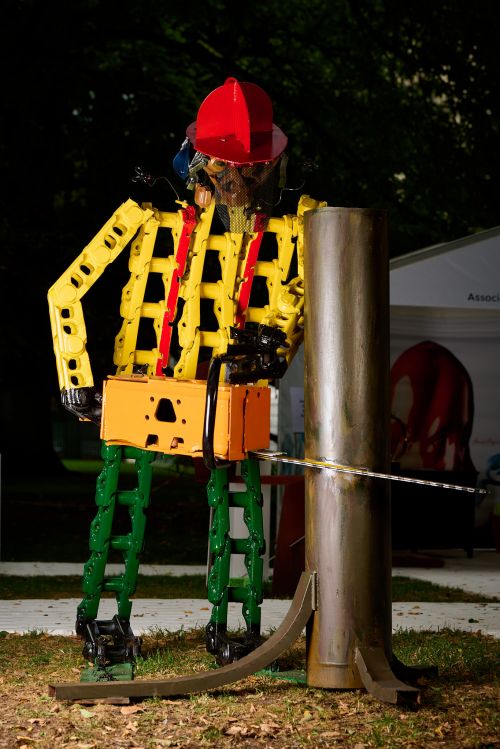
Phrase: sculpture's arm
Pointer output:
(66, 313)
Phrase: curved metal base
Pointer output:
(294, 622)
(379, 679)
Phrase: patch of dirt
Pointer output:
(256, 712)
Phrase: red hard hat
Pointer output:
(235, 123)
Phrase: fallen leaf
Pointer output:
(268, 728)
(478, 721)
(130, 709)
(86, 713)
(441, 730)
(234, 730)
(238, 730)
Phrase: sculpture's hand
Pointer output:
(85, 402)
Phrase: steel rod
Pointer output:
(279, 457)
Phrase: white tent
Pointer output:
(464, 274)
(450, 294)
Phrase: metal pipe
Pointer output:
(346, 422)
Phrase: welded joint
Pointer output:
(314, 591)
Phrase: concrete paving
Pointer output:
(481, 574)
(51, 569)
(58, 617)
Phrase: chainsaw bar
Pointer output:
(281, 457)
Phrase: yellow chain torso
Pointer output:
(154, 230)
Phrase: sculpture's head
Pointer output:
(238, 152)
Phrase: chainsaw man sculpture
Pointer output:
(230, 301)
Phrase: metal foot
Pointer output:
(229, 649)
(379, 679)
(108, 641)
(290, 629)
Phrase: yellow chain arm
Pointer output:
(66, 314)
(286, 300)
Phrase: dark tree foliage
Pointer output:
(386, 104)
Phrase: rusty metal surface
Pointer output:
(290, 629)
(346, 422)
(379, 680)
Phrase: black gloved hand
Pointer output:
(86, 403)
(254, 354)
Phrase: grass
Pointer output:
(193, 586)
(410, 589)
(459, 708)
(163, 586)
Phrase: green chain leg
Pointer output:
(131, 545)
(220, 546)
(100, 531)
(220, 592)
(108, 496)
(255, 545)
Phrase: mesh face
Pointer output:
(245, 195)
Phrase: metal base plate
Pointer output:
(115, 672)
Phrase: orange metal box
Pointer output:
(166, 415)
